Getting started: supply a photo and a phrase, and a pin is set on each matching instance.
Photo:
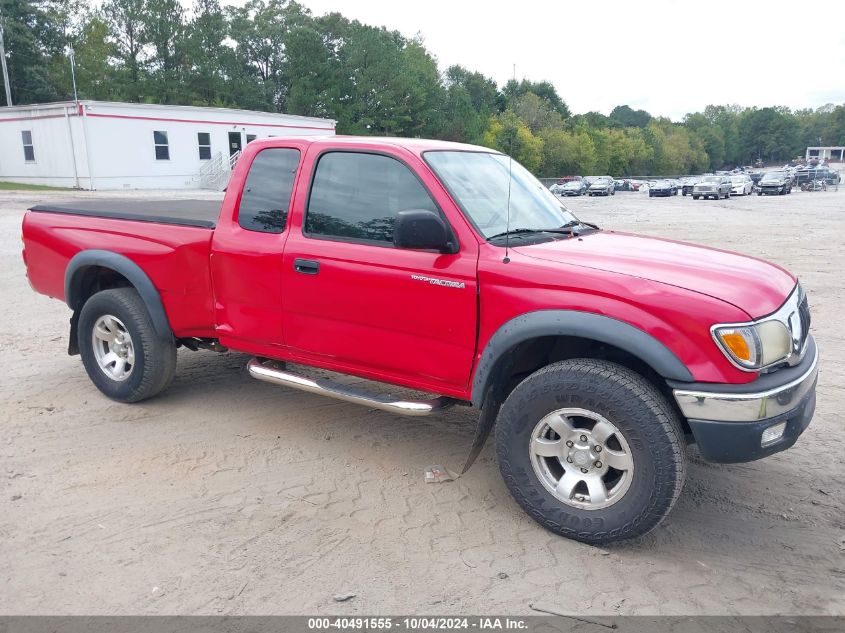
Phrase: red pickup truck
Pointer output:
(451, 270)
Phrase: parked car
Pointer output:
(775, 182)
(816, 173)
(556, 189)
(602, 186)
(662, 188)
(712, 186)
(621, 185)
(756, 177)
(688, 183)
(595, 373)
(574, 188)
(741, 185)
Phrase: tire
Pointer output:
(645, 435)
(782, 192)
(727, 195)
(695, 197)
(147, 361)
(650, 194)
(759, 193)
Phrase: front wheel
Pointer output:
(124, 356)
(695, 197)
(591, 450)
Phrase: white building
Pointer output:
(104, 145)
(830, 154)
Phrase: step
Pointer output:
(326, 387)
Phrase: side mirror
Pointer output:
(420, 228)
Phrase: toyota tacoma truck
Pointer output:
(450, 270)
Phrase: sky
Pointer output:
(668, 57)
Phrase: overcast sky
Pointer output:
(669, 57)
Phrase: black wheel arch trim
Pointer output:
(587, 325)
(121, 264)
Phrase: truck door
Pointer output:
(246, 260)
(354, 302)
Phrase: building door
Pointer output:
(235, 144)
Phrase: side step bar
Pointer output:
(333, 389)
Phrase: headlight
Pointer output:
(755, 345)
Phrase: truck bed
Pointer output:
(197, 213)
(169, 240)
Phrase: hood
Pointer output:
(755, 286)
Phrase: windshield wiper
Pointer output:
(515, 232)
(570, 228)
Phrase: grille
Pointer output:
(804, 316)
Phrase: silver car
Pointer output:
(712, 186)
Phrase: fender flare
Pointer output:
(121, 264)
(587, 325)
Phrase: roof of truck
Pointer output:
(416, 145)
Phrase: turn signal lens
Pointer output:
(742, 344)
(737, 344)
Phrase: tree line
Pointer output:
(275, 55)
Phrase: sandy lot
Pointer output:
(227, 495)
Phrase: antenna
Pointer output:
(507, 259)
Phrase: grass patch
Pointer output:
(16, 186)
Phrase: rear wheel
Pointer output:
(591, 450)
(695, 197)
(124, 356)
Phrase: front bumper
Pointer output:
(728, 421)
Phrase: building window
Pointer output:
(162, 148)
(28, 149)
(204, 144)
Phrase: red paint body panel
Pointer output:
(174, 257)
(364, 313)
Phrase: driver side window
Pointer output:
(356, 196)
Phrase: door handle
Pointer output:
(306, 266)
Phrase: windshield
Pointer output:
(479, 183)
(712, 179)
(601, 180)
(737, 179)
(572, 184)
(773, 175)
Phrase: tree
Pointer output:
(543, 89)
(33, 34)
(260, 30)
(509, 134)
(128, 35)
(537, 113)
(209, 62)
(625, 116)
(93, 52)
(468, 103)
(166, 33)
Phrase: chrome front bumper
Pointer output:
(723, 406)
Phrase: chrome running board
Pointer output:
(333, 389)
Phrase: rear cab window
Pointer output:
(265, 200)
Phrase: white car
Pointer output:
(741, 185)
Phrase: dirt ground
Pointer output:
(227, 495)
